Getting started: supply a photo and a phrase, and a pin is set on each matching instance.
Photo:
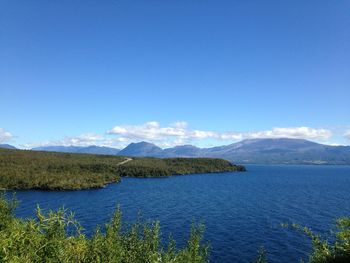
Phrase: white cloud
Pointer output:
(85, 139)
(5, 135)
(347, 135)
(150, 131)
(174, 134)
(180, 124)
(292, 132)
(178, 133)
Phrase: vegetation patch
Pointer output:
(56, 171)
(154, 167)
(56, 237)
(324, 251)
(23, 170)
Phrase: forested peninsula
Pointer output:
(24, 169)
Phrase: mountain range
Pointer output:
(7, 146)
(252, 151)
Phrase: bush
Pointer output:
(324, 251)
(56, 237)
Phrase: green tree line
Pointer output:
(155, 167)
(20, 169)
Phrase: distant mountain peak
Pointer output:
(259, 151)
(141, 149)
(7, 146)
(143, 143)
(275, 141)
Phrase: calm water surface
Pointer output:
(241, 211)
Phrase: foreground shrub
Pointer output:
(324, 251)
(56, 237)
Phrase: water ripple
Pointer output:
(241, 211)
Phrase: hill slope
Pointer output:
(182, 151)
(21, 169)
(141, 149)
(254, 151)
(7, 146)
(281, 151)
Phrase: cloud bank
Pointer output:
(85, 139)
(174, 134)
(347, 135)
(5, 135)
(291, 132)
(179, 133)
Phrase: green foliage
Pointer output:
(324, 251)
(57, 237)
(66, 171)
(56, 171)
(154, 167)
(6, 210)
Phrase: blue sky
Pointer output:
(173, 72)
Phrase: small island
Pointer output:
(25, 169)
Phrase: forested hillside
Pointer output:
(20, 169)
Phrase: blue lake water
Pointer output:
(241, 211)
